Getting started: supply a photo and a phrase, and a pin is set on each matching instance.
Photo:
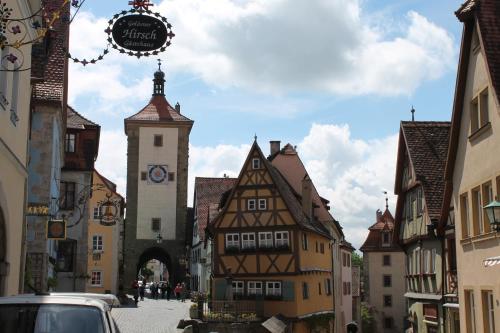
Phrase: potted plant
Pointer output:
(193, 311)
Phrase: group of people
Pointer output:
(158, 290)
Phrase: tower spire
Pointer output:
(386, 201)
(159, 81)
(412, 113)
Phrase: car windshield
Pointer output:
(50, 318)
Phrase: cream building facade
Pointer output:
(383, 274)
(473, 167)
(104, 226)
(15, 97)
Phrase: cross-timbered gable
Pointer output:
(269, 245)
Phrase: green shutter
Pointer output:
(288, 291)
(220, 289)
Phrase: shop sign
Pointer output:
(36, 209)
(56, 229)
(139, 32)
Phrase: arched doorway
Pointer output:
(159, 254)
(3, 253)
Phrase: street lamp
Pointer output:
(159, 239)
(493, 212)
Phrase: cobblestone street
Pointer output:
(151, 316)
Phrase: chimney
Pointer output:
(378, 216)
(274, 147)
(178, 108)
(307, 205)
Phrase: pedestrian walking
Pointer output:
(177, 291)
(135, 289)
(169, 290)
(163, 290)
(183, 292)
(142, 288)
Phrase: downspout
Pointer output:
(443, 279)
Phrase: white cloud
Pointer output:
(273, 46)
(351, 173)
(112, 159)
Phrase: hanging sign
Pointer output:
(110, 210)
(56, 229)
(139, 33)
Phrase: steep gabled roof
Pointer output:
(289, 196)
(487, 15)
(426, 143)
(289, 164)
(373, 242)
(76, 121)
(109, 184)
(209, 191)
(51, 65)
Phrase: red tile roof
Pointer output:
(158, 109)
(52, 68)
(208, 191)
(76, 120)
(373, 242)
(427, 146)
(487, 13)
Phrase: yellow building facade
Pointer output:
(104, 229)
(269, 246)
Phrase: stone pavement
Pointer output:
(151, 316)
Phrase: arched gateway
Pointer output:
(157, 164)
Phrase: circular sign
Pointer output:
(139, 32)
(157, 174)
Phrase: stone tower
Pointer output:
(157, 175)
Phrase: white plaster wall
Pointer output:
(157, 200)
(477, 162)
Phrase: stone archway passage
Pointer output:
(155, 253)
(3, 253)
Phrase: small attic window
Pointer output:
(386, 239)
(256, 163)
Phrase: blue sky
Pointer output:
(334, 77)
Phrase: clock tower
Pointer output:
(157, 174)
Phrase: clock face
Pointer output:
(157, 173)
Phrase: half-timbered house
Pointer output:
(419, 185)
(269, 246)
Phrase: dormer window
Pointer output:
(70, 142)
(256, 163)
(386, 239)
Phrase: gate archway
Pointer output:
(155, 253)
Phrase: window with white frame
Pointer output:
(97, 244)
(248, 240)
(273, 288)
(262, 204)
(256, 163)
(97, 213)
(250, 204)
(238, 287)
(489, 311)
(281, 239)
(254, 288)
(232, 241)
(265, 239)
(96, 278)
(479, 111)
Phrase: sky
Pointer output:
(333, 77)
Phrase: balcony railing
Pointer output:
(233, 311)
